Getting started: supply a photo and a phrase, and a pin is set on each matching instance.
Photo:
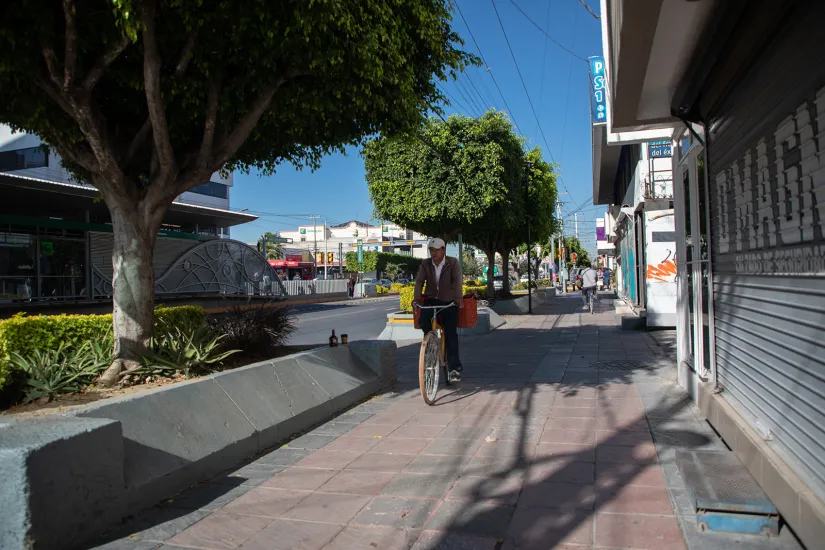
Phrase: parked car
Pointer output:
(498, 282)
(525, 278)
(402, 281)
(385, 283)
(368, 280)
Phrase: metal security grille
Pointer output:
(766, 154)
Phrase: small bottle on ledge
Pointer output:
(333, 340)
(344, 339)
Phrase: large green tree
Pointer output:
(145, 99)
(463, 175)
(529, 200)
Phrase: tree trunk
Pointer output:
(505, 261)
(491, 269)
(135, 230)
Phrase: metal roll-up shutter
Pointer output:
(766, 178)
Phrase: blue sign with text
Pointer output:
(659, 149)
(598, 89)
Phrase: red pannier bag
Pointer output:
(467, 316)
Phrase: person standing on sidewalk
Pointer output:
(442, 276)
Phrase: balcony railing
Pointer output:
(658, 188)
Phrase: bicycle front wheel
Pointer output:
(428, 367)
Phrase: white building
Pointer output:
(328, 243)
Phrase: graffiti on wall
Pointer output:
(664, 271)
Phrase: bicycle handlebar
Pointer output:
(434, 307)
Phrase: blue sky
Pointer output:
(557, 83)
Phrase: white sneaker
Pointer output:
(454, 376)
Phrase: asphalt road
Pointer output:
(358, 319)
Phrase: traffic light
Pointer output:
(330, 257)
(319, 257)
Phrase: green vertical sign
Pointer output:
(360, 253)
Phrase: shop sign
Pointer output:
(659, 149)
(598, 89)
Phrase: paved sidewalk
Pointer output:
(561, 435)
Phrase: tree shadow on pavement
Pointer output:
(538, 490)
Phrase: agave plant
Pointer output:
(184, 350)
(64, 370)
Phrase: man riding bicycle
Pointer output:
(588, 280)
(442, 276)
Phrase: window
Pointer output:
(211, 189)
(19, 159)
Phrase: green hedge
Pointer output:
(407, 293)
(23, 334)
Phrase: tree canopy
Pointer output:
(378, 261)
(145, 99)
(463, 175)
(572, 244)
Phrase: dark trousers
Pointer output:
(448, 318)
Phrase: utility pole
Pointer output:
(341, 259)
(529, 268)
(314, 217)
(562, 265)
(576, 221)
(326, 252)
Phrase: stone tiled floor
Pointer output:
(562, 435)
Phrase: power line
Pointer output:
(556, 42)
(569, 82)
(590, 11)
(467, 94)
(530, 101)
(544, 58)
(484, 102)
(455, 102)
(489, 69)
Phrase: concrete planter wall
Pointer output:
(69, 479)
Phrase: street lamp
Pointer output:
(527, 212)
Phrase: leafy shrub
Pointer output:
(405, 298)
(381, 289)
(257, 330)
(47, 333)
(396, 287)
(479, 290)
(47, 373)
(185, 350)
(523, 285)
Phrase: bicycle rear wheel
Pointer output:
(428, 367)
(591, 300)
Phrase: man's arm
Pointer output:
(419, 283)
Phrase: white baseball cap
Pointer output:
(435, 242)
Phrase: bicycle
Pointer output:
(433, 357)
(591, 299)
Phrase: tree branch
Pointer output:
(238, 136)
(154, 96)
(70, 52)
(83, 159)
(100, 66)
(211, 121)
(145, 130)
(52, 65)
(56, 95)
(186, 53)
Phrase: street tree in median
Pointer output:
(145, 99)
(449, 177)
(506, 227)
